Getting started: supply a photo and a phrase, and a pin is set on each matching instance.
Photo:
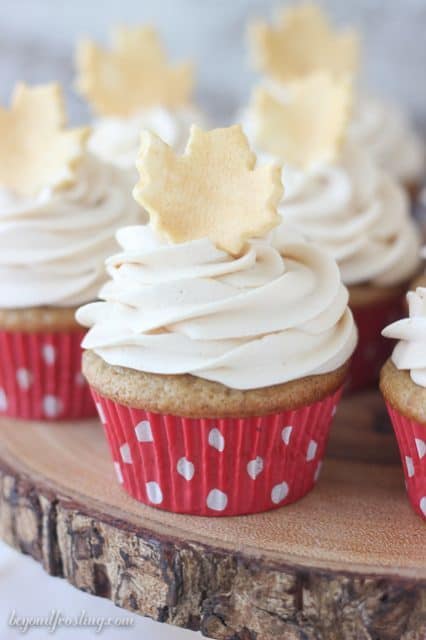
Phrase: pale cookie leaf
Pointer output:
(309, 127)
(37, 151)
(133, 75)
(213, 190)
(302, 43)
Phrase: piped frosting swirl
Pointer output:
(276, 313)
(53, 245)
(410, 352)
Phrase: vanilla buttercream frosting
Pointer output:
(276, 313)
(357, 213)
(117, 139)
(353, 209)
(53, 246)
(383, 130)
(410, 352)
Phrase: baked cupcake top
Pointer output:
(303, 42)
(410, 352)
(212, 286)
(59, 205)
(335, 194)
(133, 87)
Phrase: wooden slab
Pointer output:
(348, 561)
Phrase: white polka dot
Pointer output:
(422, 505)
(24, 378)
(101, 413)
(318, 471)
(279, 492)
(143, 431)
(254, 467)
(3, 400)
(126, 454)
(421, 448)
(410, 466)
(333, 413)
(118, 472)
(49, 353)
(52, 406)
(80, 380)
(185, 468)
(217, 500)
(216, 440)
(154, 493)
(312, 450)
(285, 434)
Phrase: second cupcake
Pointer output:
(59, 209)
(337, 197)
(403, 384)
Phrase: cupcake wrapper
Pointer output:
(217, 467)
(40, 376)
(411, 436)
(373, 349)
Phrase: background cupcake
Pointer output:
(385, 132)
(403, 384)
(337, 197)
(303, 42)
(132, 87)
(216, 359)
(59, 209)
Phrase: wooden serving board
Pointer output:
(347, 562)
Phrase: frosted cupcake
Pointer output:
(133, 87)
(403, 384)
(385, 132)
(304, 42)
(59, 210)
(219, 353)
(337, 197)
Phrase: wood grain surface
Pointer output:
(348, 561)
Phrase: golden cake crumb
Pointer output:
(402, 393)
(192, 397)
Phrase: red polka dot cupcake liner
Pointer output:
(411, 436)
(373, 349)
(40, 376)
(217, 467)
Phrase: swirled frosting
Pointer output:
(385, 133)
(117, 140)
(357, 213)
(352, 209)
(410, 352)
(277, 313)
(53, 246)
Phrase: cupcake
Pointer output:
(219, 352)
(337, 197)
(403, 384)
(304, 42)
(59, 210)
(384, 130)
(133, 87)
